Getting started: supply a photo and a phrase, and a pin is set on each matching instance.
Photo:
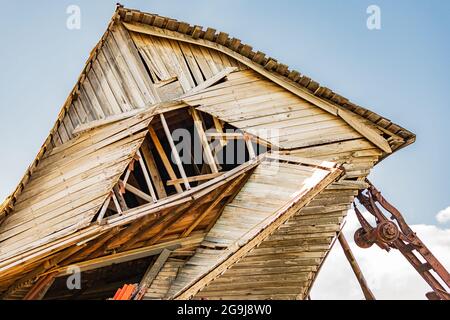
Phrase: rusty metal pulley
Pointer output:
(362, 240)
(385, 232)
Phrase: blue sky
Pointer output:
(400, 72)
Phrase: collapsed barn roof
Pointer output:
(103, 191)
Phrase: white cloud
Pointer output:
(443, 216)
(389, 275)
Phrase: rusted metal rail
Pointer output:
(395, 233)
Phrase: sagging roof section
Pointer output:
(134, 20)
(211, 35)
(276, 190)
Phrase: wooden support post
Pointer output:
(219, 128)
(358, 273)
(103, 209)
(210, 160)
(250, 149)
(153, 170)
(163, 157)
(175, 154)
(140, 234)
(121, 257)
(147, 177)
(151, 274)
(127, 175)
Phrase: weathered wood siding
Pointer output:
(271, 187)
(284, 265)
(70, 184)
(260, 107)
(177, 66)
(115, 82)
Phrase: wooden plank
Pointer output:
(209, 82)
(204, 214)
(122, 203)
(126, 46)
(174, 151)
(300, 160)
(40, 288)
(280, 80)
(153, 170)
(122, 257)
(102, 122)
(357, 124)
(103, 210)
(203, 177)
(151, 273)
(250, 149)
(147, 177)
(138, 192)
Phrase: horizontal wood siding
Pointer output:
(272, 186)
(262, 108)
(177, 67)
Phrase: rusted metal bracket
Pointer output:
(394, 233)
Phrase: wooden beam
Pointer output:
(153, 170)
(43, 267)
(138, 193)
(276, 78)
(219, 128)
(120, 198)
(355, 267)
(237, 135)
(140, 233)
(225, 135)
(235, 254)
(41, 287)
(250, 149)
(116, 203)
(204, 140)
(111, 119)
(147, 177)
(202, 177)
(209, 82)
(371, 135)
(151, 273)
(175, 154)
(202, 216)
(121, 257)
(163, 157)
